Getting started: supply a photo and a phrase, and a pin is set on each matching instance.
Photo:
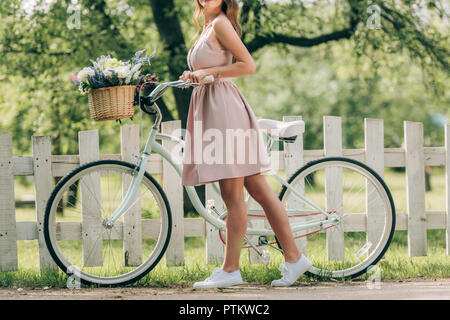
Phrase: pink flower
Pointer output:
(75, 79)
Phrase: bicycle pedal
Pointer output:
(262, 240)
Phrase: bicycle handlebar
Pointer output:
(162, 87)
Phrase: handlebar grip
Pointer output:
(208, 79)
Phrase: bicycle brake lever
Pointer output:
(188, 83)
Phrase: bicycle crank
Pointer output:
(262, 241)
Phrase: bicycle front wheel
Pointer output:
(359, 196)
(95, 254)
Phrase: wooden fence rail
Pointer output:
(44, 166)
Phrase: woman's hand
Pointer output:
(194, 76)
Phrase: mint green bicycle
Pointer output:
(109, 222)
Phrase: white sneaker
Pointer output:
(292, 271)
(220, 279)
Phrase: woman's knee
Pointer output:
(233, 199)
(232, 191)
(255, 187)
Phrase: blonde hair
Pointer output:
(231, 10)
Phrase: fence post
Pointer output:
(332, 135)
(132, 226)
(415, 188)
(374, 149)
(91, 225)
(8, 233)
(174, 191)
(447, 185)
(214, 246)
(293, 159)
(43, 184)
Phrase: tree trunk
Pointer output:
(171, 34)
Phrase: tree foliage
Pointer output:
(353, 58)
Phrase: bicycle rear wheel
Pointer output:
(107, 256)
(366, 208)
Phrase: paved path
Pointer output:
(417, 289)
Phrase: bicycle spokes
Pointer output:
(352, 192)
(102, 253)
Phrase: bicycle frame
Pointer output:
(153, 146)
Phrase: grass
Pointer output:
(396, 265)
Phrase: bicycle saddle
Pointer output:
(282, 129)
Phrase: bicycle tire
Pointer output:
(64, 181)
(386, 190)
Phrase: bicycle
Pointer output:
(139, 214)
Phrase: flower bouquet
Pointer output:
(113, 86)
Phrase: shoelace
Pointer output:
(213, 274)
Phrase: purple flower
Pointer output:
(138, 54)
(137, 57)
(75, 79)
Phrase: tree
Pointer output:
(39, 49)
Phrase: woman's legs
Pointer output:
(259, 189)
(232, 192)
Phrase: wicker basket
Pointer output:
(111, 103)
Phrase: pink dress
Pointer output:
(223, 139)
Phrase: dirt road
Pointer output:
(417, 289)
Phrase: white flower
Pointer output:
(134, 70)
(111, 63)
(100, 62)
(81, 90)
(122, 72)
(83, 74)
(108, 73)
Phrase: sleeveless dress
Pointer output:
(223, 138)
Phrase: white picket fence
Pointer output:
(44, 166)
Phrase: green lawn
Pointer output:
(396, 265)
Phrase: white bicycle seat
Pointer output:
(282, 129)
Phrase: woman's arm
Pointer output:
(228, 37)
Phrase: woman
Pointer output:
(219, 107)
